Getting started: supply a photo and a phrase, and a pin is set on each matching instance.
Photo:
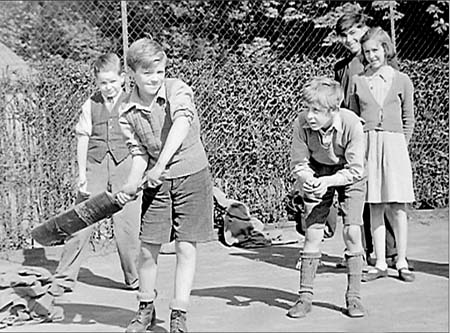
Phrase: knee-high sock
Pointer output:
(354, 271)
(309, 264)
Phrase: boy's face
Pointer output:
(374, 53)
(318, 117)
(110, 83)
(351, 38)
(149, 80)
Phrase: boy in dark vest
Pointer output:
(103, 164)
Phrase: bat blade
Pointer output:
(56, 229)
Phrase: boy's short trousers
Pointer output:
(351, 199)
(180, 209)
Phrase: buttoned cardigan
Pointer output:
(397, 112)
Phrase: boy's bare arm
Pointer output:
(82, 148)
(175, 138)
(135, 176)
(83, 130)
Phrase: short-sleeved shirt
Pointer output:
(146, 127)
(342, 144)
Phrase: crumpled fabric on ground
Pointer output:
(24, 297)
(240, 228)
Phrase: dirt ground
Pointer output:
(238, 290)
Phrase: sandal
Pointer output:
(373, 274)
(406, 275)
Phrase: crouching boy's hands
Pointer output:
(321, 187)
(316, 187)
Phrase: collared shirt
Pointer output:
(380, 82)
(345, 69)
(146, 127)
(342, 144)
(84, 124)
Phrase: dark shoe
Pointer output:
(406, 275)
(133, 286)
(178, 321)
(355, 309)
(373, 274)
(342, 263)
(143, 320)
(300, 308)
(372, 261)
(392, 260)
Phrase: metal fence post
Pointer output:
(123, 9)
(392, 19)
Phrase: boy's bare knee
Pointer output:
(314, 234)
(352, 232)
(149, 251)
(185, 249)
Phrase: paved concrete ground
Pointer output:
(240, 290)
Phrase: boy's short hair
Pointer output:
(145, 53)
(108, 62)
(381, 36)
(349, 20)
(324, 92)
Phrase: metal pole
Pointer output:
(123, 9)
(392, 18)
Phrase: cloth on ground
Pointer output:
(240, 228)
(24, 297)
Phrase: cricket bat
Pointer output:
(57, 229)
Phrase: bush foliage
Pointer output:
(246, 107)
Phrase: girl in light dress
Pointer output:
(383, 97)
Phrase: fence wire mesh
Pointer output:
(246, 61)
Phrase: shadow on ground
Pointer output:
(286, 257)
(37, 257)
(434, 268)
(90, 314)
(242, 296)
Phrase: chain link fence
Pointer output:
(246, 61)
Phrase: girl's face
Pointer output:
(374, 53)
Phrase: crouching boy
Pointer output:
(327, 155)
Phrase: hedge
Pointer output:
(246, 107)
